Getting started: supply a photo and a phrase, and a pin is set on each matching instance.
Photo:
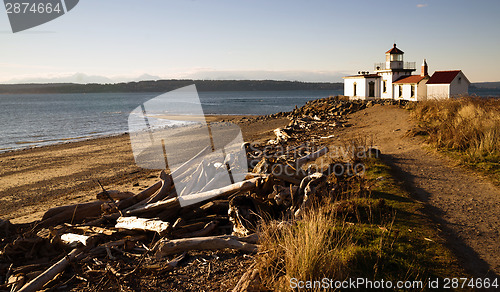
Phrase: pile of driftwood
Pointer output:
(123, 234)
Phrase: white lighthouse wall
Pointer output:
(388, 79)
(377, 89)
(360, 89)
(349, 87)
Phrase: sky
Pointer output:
(318, 40)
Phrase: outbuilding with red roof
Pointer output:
(446, 84)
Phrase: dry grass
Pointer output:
(469, 125)
(354, 233)
(313, 248)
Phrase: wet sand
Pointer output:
(34, 180)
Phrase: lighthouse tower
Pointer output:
(392, 69)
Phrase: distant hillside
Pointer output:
(488, 85)
(168, 85)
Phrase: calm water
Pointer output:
(29, 120)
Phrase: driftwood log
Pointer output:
(243, 186)
(71, 213)
(304, 159)
(250, 281)
(37, 283)
(173, 204)
(204, 231)
(170, 204)
(74, 240)
(114, 194)
(166, 247)
(145, 194)
(166, 186)
(281, 135)
(134, 223)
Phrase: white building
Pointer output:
(393, 80)
(445, 84)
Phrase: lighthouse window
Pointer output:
(400, 91)
(385, 86)
(354, 89)
(413, 91)
(396, 57)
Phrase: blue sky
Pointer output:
(120, 40)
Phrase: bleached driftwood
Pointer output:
(134, 223)
(173, 203)
(170, 204)
(37, 283)
(307, 190)
(166, 247)
(304, 159)
(281, 135)
(162, 191)
(15, 282)
(242, 186)
(74, 240)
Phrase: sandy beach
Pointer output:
(36, 179)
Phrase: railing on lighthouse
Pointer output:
(406, 65)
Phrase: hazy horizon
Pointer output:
(120, 41)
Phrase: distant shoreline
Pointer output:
(168, 85)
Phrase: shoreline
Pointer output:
(210, 118)
(38, 178)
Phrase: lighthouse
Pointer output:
(393, 79)
(393, 69)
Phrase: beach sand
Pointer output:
(34, 180)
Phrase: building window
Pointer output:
(400, 91)
(354, 92)
(459, 80)
(413, 90)
(385, 86)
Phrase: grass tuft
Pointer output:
(468, 128)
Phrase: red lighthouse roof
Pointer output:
(394, 50)
(409, 79)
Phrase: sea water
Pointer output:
(28, 120)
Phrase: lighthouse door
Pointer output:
(371, 89)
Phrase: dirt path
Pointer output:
(465, 207)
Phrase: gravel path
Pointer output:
(465, 207)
